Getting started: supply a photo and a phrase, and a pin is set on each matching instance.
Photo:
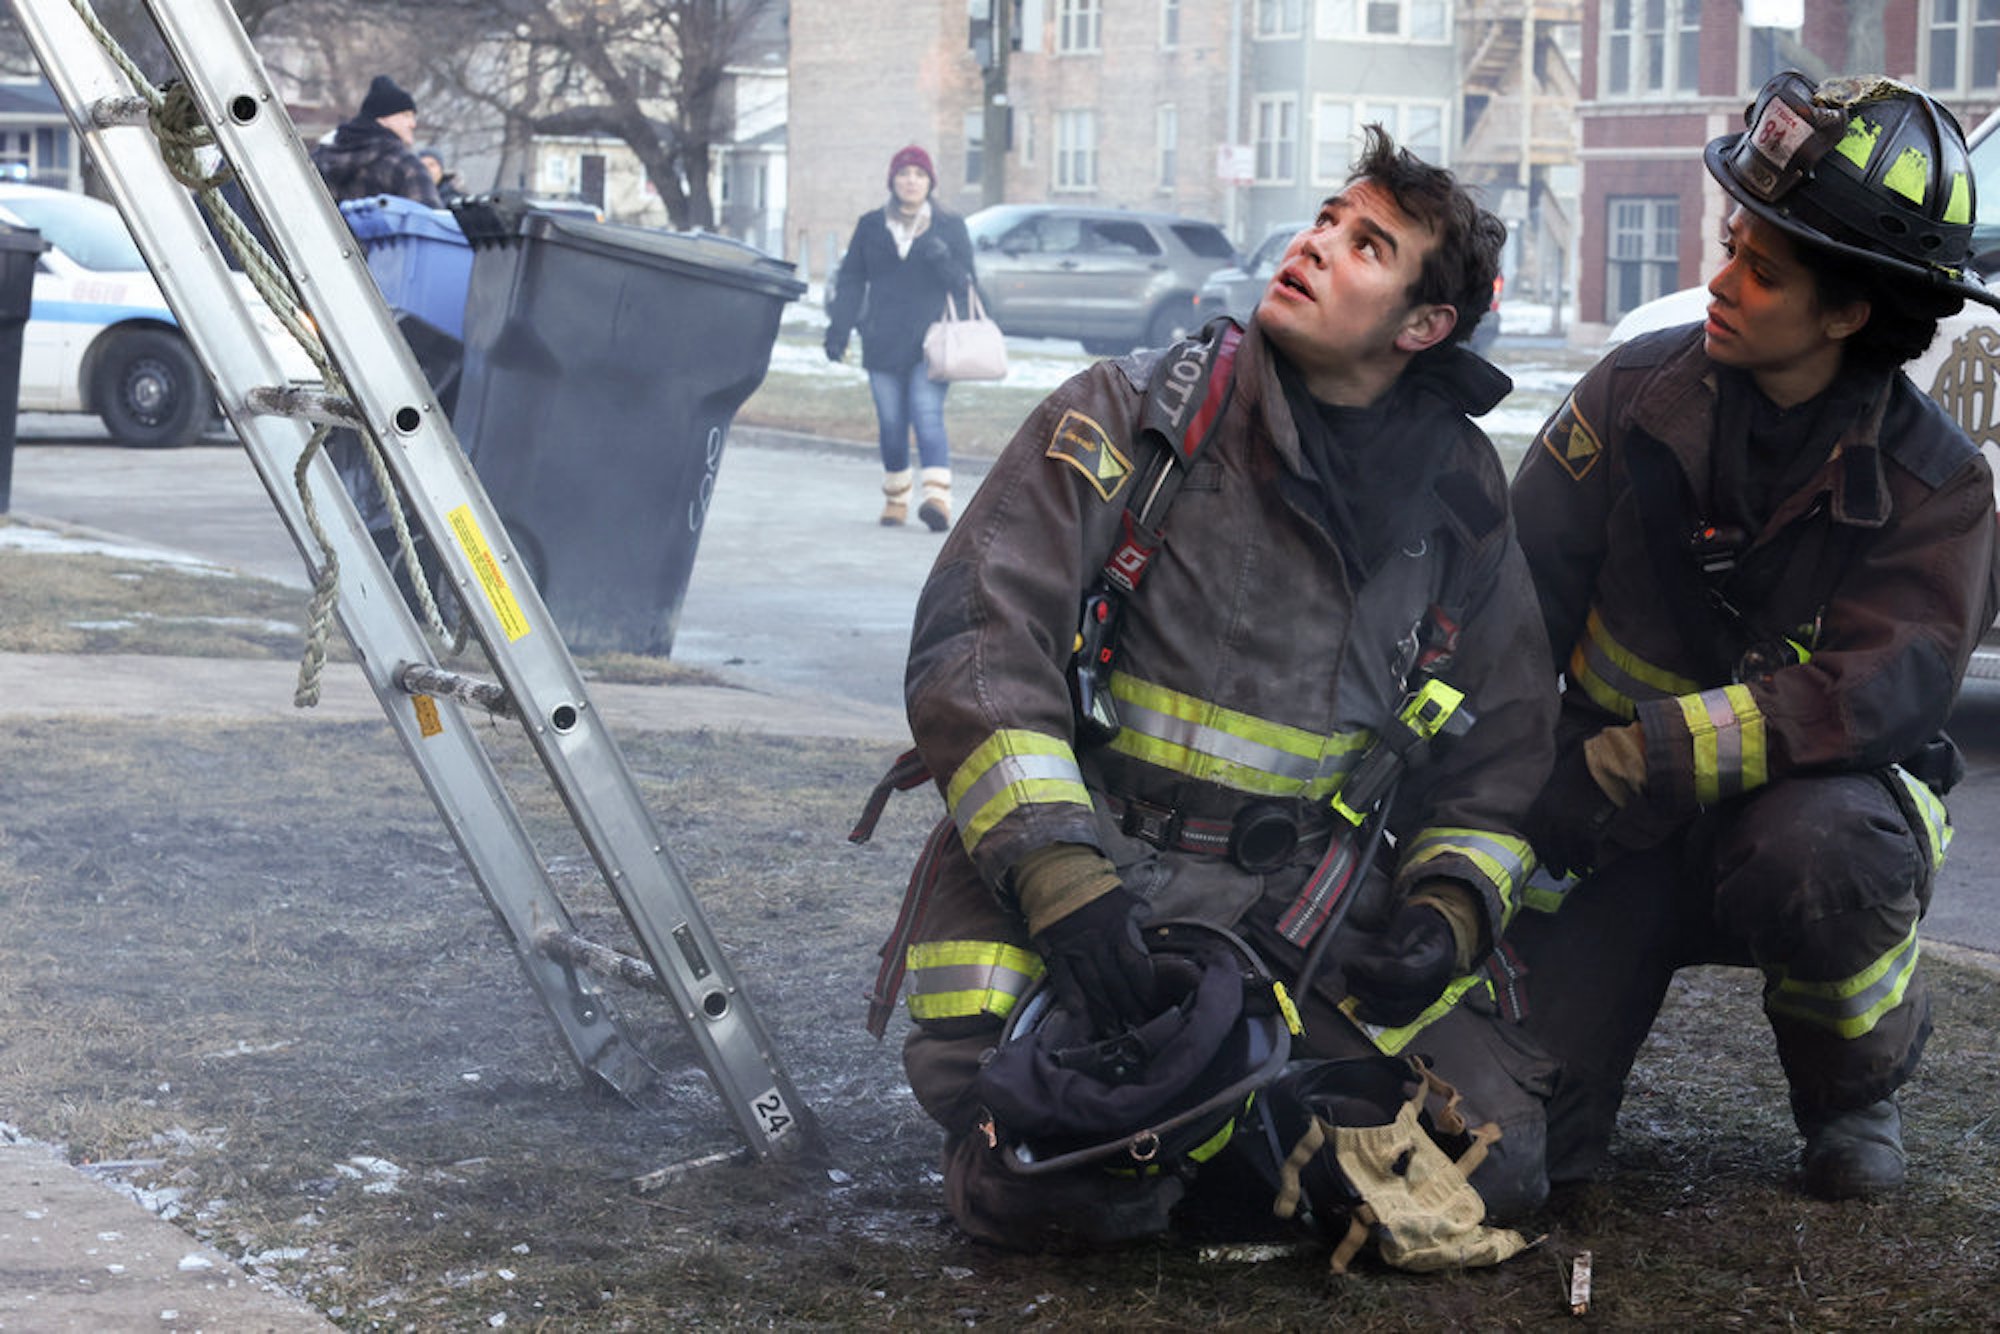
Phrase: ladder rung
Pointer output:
(569, 947)
(109, 111)
(416, 678)
(314, 405)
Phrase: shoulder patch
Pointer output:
(1084, 445)
(1571, 442)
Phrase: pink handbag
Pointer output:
(965, 349)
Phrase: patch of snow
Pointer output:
(48, 541)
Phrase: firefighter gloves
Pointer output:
(1397, 974)
(1098, 963)
(1570, 817)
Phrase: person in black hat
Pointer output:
(1764, 558)
(370, 154)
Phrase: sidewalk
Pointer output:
(77, 1257)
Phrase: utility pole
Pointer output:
(992, 39)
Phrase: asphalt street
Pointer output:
(797, 592)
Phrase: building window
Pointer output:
(17, 155)
(1170, 24)
(1024, 137)
(1280, 18)
(975, 145)
(1077, 24)
(1167, 133)
(1964, 46)
(1277, 121)
(1641, 255)
(1337, 127)
(1076, 150)
(1399, 20)
(1651, 47)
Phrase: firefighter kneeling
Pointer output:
(1205, 601)
(1765, 558)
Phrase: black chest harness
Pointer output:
(1187, 395)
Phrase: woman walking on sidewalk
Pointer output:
(903, 260)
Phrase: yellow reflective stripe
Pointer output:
(957, 979)
(1958, 204)
(1726, 733)
(1858, 144)
(1616, 678)
(1391, 1041)
(1931, 811)
(1543, 894)
(1505, 862)
(1853, 1006)
(1011, 769)
(1213, 744)
(1909, 174)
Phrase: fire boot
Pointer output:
(936, 509)
(896, 506)
(1854, 1154)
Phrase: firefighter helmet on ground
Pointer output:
(1160, 1096)
(1867, 167)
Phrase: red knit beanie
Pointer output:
(912, 157)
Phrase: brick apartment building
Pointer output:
(1663, 77)
(1245, 112)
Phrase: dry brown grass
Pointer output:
(243, 966)
(252, 954)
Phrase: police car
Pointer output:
(100, 337)
(1961, 367)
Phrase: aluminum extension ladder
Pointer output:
(428, 705)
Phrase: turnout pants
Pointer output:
(1817, 882)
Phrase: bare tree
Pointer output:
(650, 73)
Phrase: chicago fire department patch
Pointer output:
(1083, 445)
(1570, 441)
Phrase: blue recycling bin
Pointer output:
(419, 257)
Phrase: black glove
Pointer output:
(1098, 963)
(1570, 817)
(836, 345)
(1396, 974)
(930, 248)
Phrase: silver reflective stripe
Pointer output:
(1008, 771)
(1222, 745)
(1852, 1007)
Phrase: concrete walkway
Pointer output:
(77, 1257)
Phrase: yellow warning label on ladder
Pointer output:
(466, 529)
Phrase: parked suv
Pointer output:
(1114, 279)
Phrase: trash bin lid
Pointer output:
(21, 238)
(702, 255)
(378, 217)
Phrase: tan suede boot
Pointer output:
(896, 506)
(936, 508)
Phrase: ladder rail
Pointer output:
(459, 776)
(444, 497)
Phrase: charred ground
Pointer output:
(243, 971)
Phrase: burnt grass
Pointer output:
(244, 972)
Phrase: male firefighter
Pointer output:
(1335, 560)
(1765, 559)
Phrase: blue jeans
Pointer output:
(905, 400)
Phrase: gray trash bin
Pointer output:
(20, 249)
(603, 365)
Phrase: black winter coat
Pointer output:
(366, 159)
(892, 299)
